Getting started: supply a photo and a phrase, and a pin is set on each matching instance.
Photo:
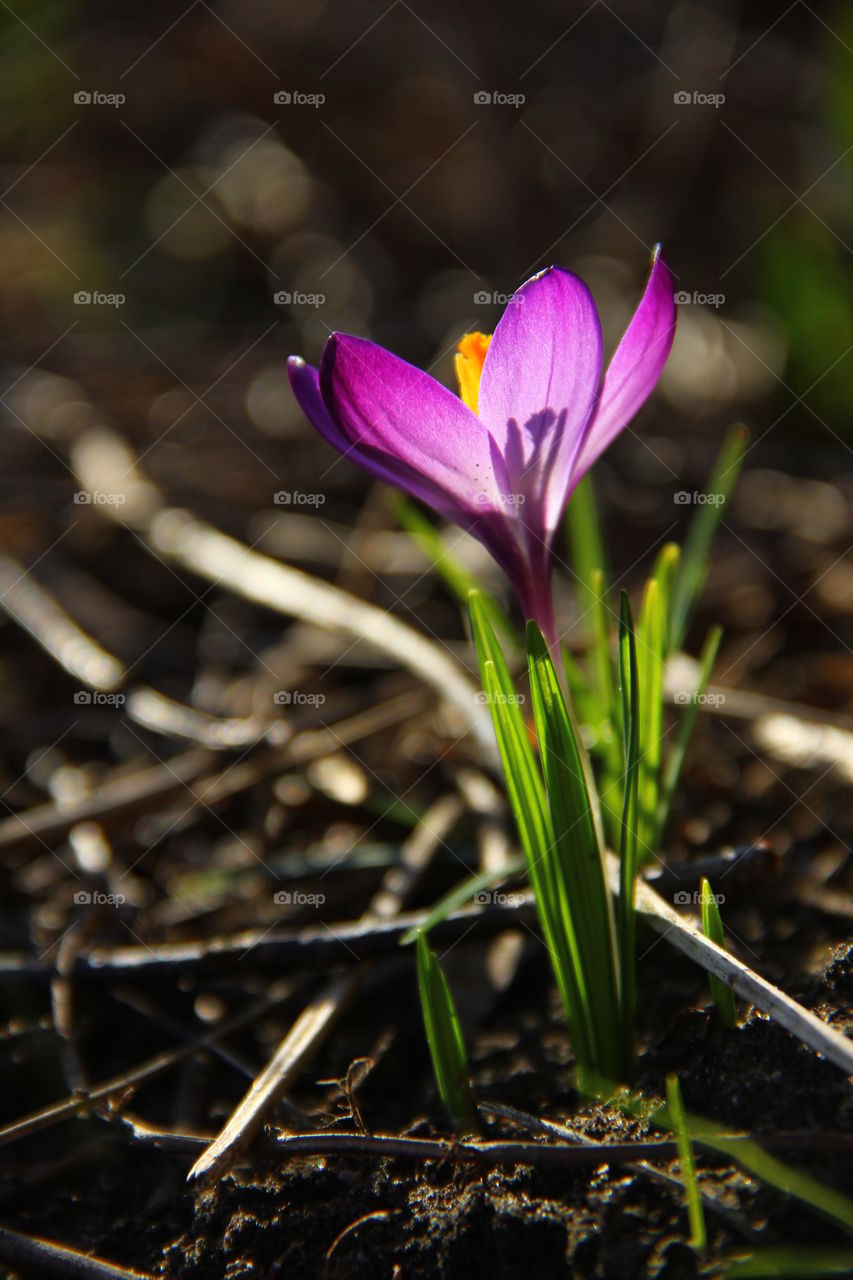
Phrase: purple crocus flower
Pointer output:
(533, 414)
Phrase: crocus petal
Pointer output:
(636, 365)
(538, 387)
(305, 381)
(402, 417)
(402, 426)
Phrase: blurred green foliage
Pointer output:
(805, 263)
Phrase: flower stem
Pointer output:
(537, 602)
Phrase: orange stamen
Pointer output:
(468, 362)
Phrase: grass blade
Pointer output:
(526, 794)
(586, 540)
(601, 709)
(650, 664)
(749, 1155)
(602, 663)
(687, 1163)
(652, 654)
(460, 895)
(712, 927)
(697, 546)
(577, 859)
(791, 1264)
(628, 849)
(742, 1150)
(523, 778)
(444, 1037)
(665, 574)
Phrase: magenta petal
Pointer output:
(539, 383)
(365, 405)
(305, 383)
(402, 418)
(636, 365)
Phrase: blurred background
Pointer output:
(241, 179)
(191, 194)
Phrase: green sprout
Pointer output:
(712, 927)
(444, 1037)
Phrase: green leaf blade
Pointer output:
(791, 1264)
(526, 795)
(687, 1162)
(578, 864)
(444, 1037)
(712, 927)
(629, 835)
(586, 539)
